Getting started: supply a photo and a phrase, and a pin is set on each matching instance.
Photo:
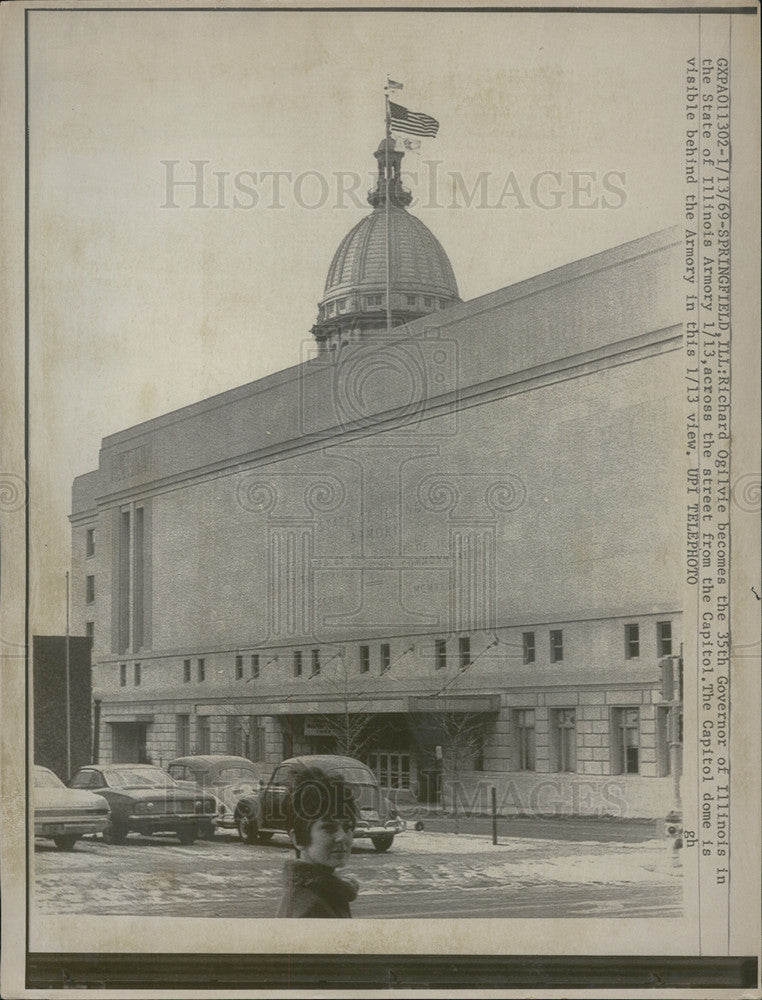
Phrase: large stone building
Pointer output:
(455, 545)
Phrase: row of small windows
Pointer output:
(623, 749)
(464, 652)
(200, 670)
(136, 674)
(374, 301)
(631, 643)
(529, 651)
(464, 658)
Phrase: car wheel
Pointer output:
(263, 836)
(115, 833)
(66, 842)
(383, 843)
(247, 828)
(187, 834)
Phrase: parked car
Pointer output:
(146, 800)
(229, 779)
(258, 817)
(63, 814)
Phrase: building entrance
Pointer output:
(129, 742)
(392, 769)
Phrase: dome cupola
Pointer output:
(421, 276)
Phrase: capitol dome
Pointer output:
(421, 276)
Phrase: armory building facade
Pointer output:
(453, 546)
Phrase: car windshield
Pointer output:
(181, 772)
(243, 773)
(143, 777)
(43, 778)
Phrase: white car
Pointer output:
(64, 814)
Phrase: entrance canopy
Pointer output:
(455, 703)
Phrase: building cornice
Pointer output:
(627, 351)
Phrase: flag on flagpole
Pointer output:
(413, 122)
(393, 85)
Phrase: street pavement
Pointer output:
(427, 873)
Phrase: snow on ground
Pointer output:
(153, 877)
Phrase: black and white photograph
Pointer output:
(382, 487)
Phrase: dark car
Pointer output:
(259, 816)
(146, 800)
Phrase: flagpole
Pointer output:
(388, 221)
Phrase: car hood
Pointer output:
(54, 798)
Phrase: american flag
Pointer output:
(414, 122)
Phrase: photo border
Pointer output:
(377, 971)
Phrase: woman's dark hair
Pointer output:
(316, 795)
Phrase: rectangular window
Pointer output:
(386, 657)
(182, 735)
(527, 647)
(556, 645)
(238, 667)
(90, 630)
(364, 659)
(138, 583)
(258, 747)
(90, 542)
(563, 739)
(137, 675)
(428, 300)
(315, 662)
(464, 651)
(626, 740)
(90, 590)
(374, 300)
(255, 665)
(665, 735)
(122, 675)
(631, 642)
(525, 739)
(204, 734)
(440, 653)
(201, 670)
(231, 736)
(186, 671)
(125, 548)
(412, 299)
(664, 638)
(297, 663)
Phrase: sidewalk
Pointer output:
(603, 829)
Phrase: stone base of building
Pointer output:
(628, 796)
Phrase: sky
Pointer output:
(146, 295)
